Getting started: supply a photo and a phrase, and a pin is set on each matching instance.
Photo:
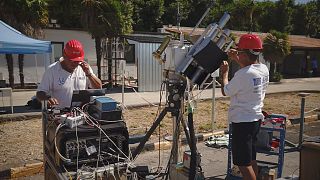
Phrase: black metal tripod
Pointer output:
(176, 89)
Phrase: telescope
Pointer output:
(198, 61)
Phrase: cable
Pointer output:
(78, 149)
(143, 98)
(55, 143)
(113, 142)
(70, 177)
(205, 88)
(99, 150)
(159, 155)
(96, 125)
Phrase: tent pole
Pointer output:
(36, 62)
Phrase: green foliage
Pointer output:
(313, 19)
(299, 20)
(27, 16)
(276, 77)
(265, 16)
(66, 12)
(171, 11)
(241, 14)
(147, 14)
(283, 12)
(276, 46)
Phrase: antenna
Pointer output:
(203, 16)
(178, 17)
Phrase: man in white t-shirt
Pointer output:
(247, 91)
(66, 75)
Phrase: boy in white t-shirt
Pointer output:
(247, 91)
(68, 74)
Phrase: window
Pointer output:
(129, 53)
(57, 50)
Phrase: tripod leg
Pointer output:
(193, 148)
(149, 133)
(186, 131)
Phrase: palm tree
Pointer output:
(106, 18)
(275, 48)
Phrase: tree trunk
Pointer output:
(272, 70)
(109, 60)
(98, 52)
(21, 63)
(9, 59)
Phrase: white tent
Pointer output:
(14, 42)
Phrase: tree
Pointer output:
(275, 48)
(242, 15)
(313, 19)
(9, 59)
(283, 15)
(66, 12)
(105, 18)
(265, 16)
(32, 15)
(170, 15)
(299, 20)
(147, 14)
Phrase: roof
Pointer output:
(295, 41)
(146, 38)
(14, 42)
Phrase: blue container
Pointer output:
(105, 104)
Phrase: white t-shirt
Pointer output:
(247, 90)
(59, 83)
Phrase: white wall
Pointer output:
(30, 72)
(82, 36)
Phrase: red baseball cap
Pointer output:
(73, 51)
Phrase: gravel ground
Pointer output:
(21, 141)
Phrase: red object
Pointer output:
(250, 41)
(275, 143)
(73, 51)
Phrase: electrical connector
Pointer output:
(107, 171)
(63, 118)
(72, 122)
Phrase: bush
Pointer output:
(276, 77)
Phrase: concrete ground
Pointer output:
(214, 161)
(20, 98)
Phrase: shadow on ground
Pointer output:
(18, 109)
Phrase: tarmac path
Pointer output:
(213, 160)
(20, 98)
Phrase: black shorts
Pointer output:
(244, 137)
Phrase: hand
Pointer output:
(52, 102)
(233, 54)
(86, 68)
(224, 67)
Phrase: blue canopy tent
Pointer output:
(14, 42)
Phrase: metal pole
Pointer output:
(303, 99)
(36, 62)
(203, 16)
(123, 83)
(213, 104)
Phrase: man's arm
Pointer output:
(94, 81)
(42, 96)
(224, 75)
